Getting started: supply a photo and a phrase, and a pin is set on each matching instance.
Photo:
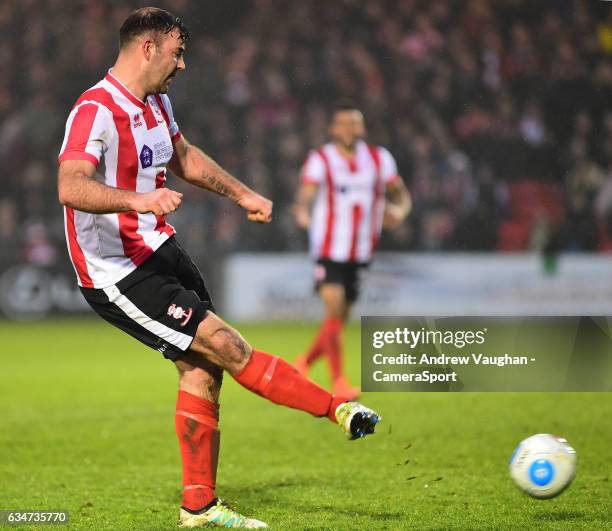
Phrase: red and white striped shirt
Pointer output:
(349, 207)
(134, 140)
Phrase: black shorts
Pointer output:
(344, 273)
(161, 303)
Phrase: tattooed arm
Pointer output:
(194, 166)
(77, 188)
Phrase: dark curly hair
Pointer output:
(150, 20)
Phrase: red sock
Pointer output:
(332, 345)
(316, 349)
(196, 427)
(318, 346)
(278, 381)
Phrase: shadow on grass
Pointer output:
(560, 516)
(351, 511)
(237, 492)
(259, 486)
(269, 491)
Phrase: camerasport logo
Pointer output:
(178, 313)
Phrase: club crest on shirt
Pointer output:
(146, 156)
(158, 114)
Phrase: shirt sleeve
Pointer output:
(87, 133)
(313, 170)
(166, 108)
(388, 166)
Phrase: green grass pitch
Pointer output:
(87, 425)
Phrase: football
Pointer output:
(543, 465)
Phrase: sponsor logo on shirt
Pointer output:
(162, 152)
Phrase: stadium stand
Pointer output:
(498, 113)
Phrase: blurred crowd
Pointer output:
(470, 96)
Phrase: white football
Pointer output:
(543, 465)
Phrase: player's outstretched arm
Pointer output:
(194, 166)
(78, 189)
(398, 204)
(303, 204)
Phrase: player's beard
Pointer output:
(165, 85)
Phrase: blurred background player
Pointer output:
(349, 191)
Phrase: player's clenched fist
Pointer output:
(394, 216)
(258, 207)
(161, 201)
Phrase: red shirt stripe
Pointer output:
(160, 103)
(149, 117)
(377, 194)
(308, 180)
(80, 129)
(161, 225)
(351, 162)
(119, 86)
(329, 226)
(357, 216)
(78, 258)
(174, 138)
(79, 155)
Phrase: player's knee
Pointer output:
(199, 377)
(231, 347)
(336, 310)
(335, 314)
(334, 300)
